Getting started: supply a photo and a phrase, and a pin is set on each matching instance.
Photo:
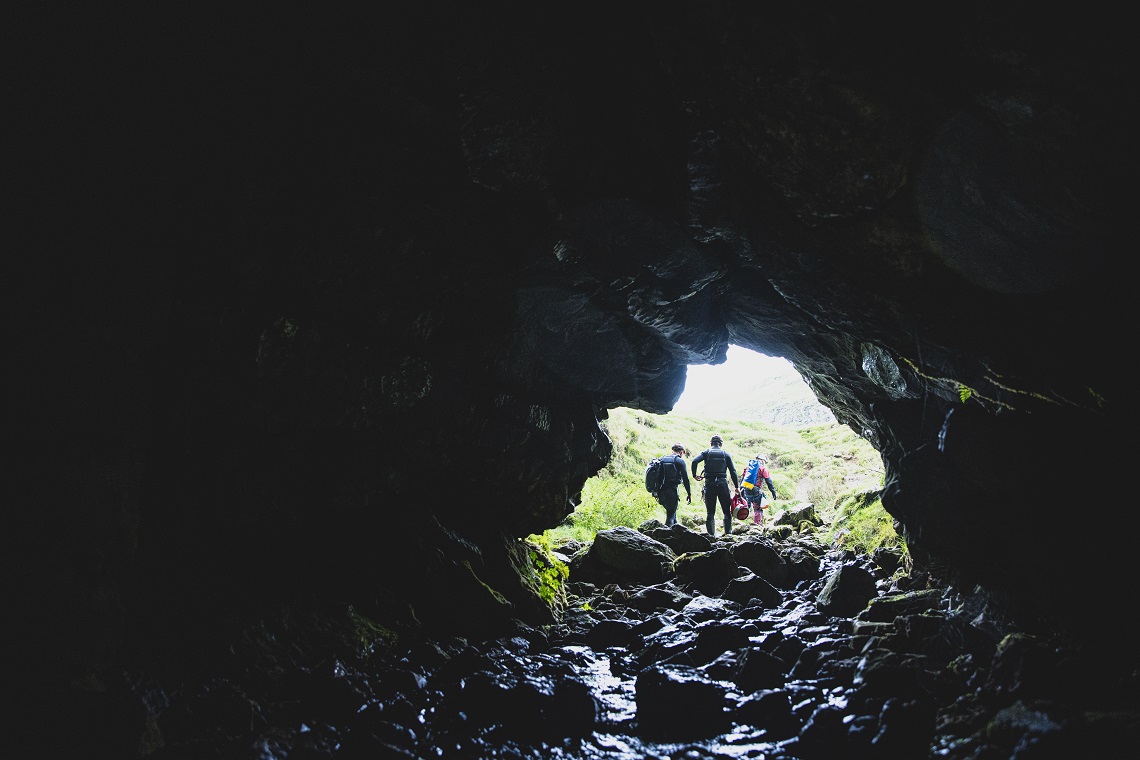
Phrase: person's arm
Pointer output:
(685, 480)
(697, 459)
(767, 476)
(732, 471)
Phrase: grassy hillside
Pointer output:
(825, 464)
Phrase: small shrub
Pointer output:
(550, 573)
(370, 635)
(823, 490)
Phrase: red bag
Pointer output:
(739, 506)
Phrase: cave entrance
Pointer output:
(759, 405)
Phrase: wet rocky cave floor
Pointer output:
(719, 664)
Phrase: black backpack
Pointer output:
(654, 475)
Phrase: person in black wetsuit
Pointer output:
(718, 466)
(676, 473)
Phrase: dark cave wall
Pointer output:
(332, 305)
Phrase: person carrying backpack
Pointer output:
(755, 476)
(718, 468)
(676, 473)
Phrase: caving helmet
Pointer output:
(716, 440)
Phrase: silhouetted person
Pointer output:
(676, 473)
(718, 467)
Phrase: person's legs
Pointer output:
(669, 501)
(710, 509)
(756, 502)
(725, 504)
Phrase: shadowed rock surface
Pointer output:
(323, 308)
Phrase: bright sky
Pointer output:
(739, 373)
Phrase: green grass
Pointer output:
(828, 465)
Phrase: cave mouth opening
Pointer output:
(760, 405)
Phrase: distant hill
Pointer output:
(777, 398)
